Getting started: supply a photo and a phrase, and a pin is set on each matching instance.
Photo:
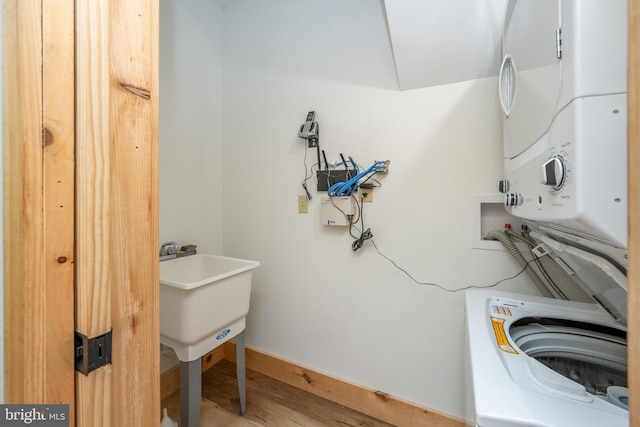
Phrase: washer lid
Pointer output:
(599, 274)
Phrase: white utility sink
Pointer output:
(204, 301)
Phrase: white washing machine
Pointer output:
(539, 361)
(555, 362)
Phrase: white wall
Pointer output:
(191, 123)
(314, 301)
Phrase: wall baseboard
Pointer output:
(374, 403)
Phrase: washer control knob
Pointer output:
(554, 172)
(513, 199)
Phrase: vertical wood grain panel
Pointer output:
(633, 334)
(93, 195)
(23, 202)
(58, 191)
(93, 167)
(134, 212)
(116, 206)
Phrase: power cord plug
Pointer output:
(366, 235)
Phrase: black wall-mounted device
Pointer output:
(310, 130)
(326, 178)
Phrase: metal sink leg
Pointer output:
(241, 372)
(191, 386)
(190, 392)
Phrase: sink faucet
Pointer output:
(168, 250)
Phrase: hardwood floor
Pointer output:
(269, 403)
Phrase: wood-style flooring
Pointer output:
(269, 403)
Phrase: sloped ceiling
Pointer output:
(437, 42)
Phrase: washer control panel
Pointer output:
(575, 176)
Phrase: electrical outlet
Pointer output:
(303, 204)
(366, 195)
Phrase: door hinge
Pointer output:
(559, 43)
(92, 353)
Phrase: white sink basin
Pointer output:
(204, 301)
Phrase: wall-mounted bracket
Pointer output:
(92, 353)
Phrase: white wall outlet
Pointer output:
(303, 204)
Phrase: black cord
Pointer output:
(351, 227)
(366, 235)
(304, 185)
(377, 184)
(349, 218)
(308, 173)
(359, 218)
(443, 288)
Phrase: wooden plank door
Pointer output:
(80, 81)
(38, 191)
(117, 216)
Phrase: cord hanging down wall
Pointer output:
(310, 131)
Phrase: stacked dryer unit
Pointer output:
(554, 362)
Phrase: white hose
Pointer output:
(511, 247)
